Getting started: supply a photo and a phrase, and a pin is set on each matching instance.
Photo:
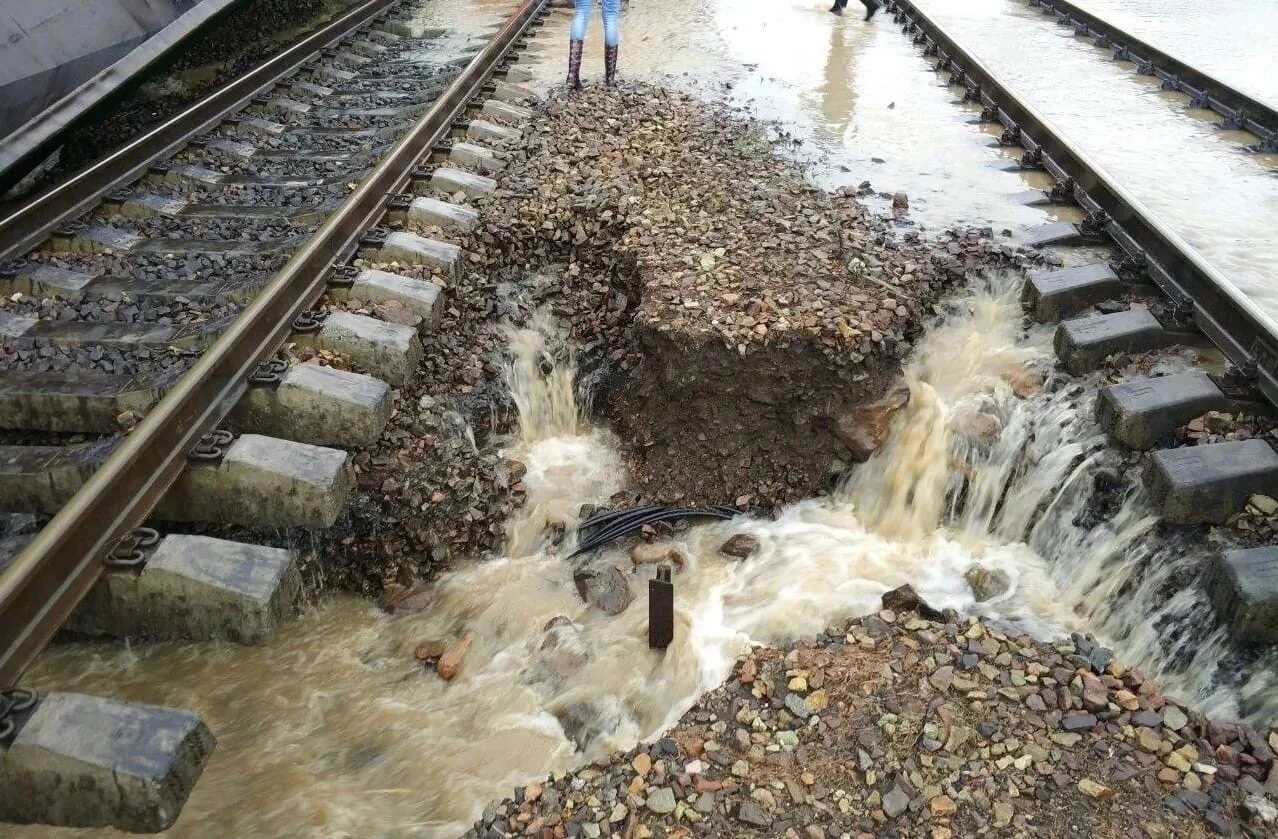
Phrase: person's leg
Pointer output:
(576, 40)
(837, 8)
(612, 39)
(871, 6)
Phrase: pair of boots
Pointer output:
(871, 6)
(574, 64)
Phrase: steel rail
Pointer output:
(1239, 110)
(1238, 327)
(31, 222)
(43, 584)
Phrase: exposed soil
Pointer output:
(731, 327)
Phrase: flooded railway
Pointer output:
(995, 470)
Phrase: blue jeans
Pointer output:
(611, 12)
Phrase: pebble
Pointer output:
(661, 801)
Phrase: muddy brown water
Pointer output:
(334, 730)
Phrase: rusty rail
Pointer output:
(43, 584)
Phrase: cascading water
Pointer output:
(334, 729)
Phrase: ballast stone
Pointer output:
(1083, 344)
(195, 588)
(1243, 586)
(87, 761)
(319, 405)
(264, 482)
(1058, 294)
(1144, 413)
(1208, 484)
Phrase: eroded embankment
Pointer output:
(764, 314)
(737, 326)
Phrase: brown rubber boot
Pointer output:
(574, 64)
(610, 65)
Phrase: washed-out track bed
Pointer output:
(1127, 287)
(189, 344)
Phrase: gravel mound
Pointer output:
(901, 726)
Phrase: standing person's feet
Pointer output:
(871, 6)
(610, 65)
(837, 8)
(574, 64)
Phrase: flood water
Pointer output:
(1213, 37)
(335, 730)
(863, 101)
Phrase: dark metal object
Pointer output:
(41, 586)
(1259, 118)
(343, 276)
(32, 221)
(311, 320)
(661, 609)
(612, 526)
(268, 373)
(1244, 333)
(131, 551)
(212, 446)
(1062, 192)
(16, 704)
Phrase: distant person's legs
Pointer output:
(577, 39)
(612, 39)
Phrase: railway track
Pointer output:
(1154, 291)
(150, 297)
(1240, 112)
(159, 307)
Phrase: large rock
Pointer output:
(740, 546)
(604, 588)
(986, 583)
(906, 599)
(865, 428)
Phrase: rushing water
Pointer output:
(335, 730)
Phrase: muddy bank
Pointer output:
(896, 725)
(761, 313)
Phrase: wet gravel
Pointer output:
(225, 228)
(897, 725)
